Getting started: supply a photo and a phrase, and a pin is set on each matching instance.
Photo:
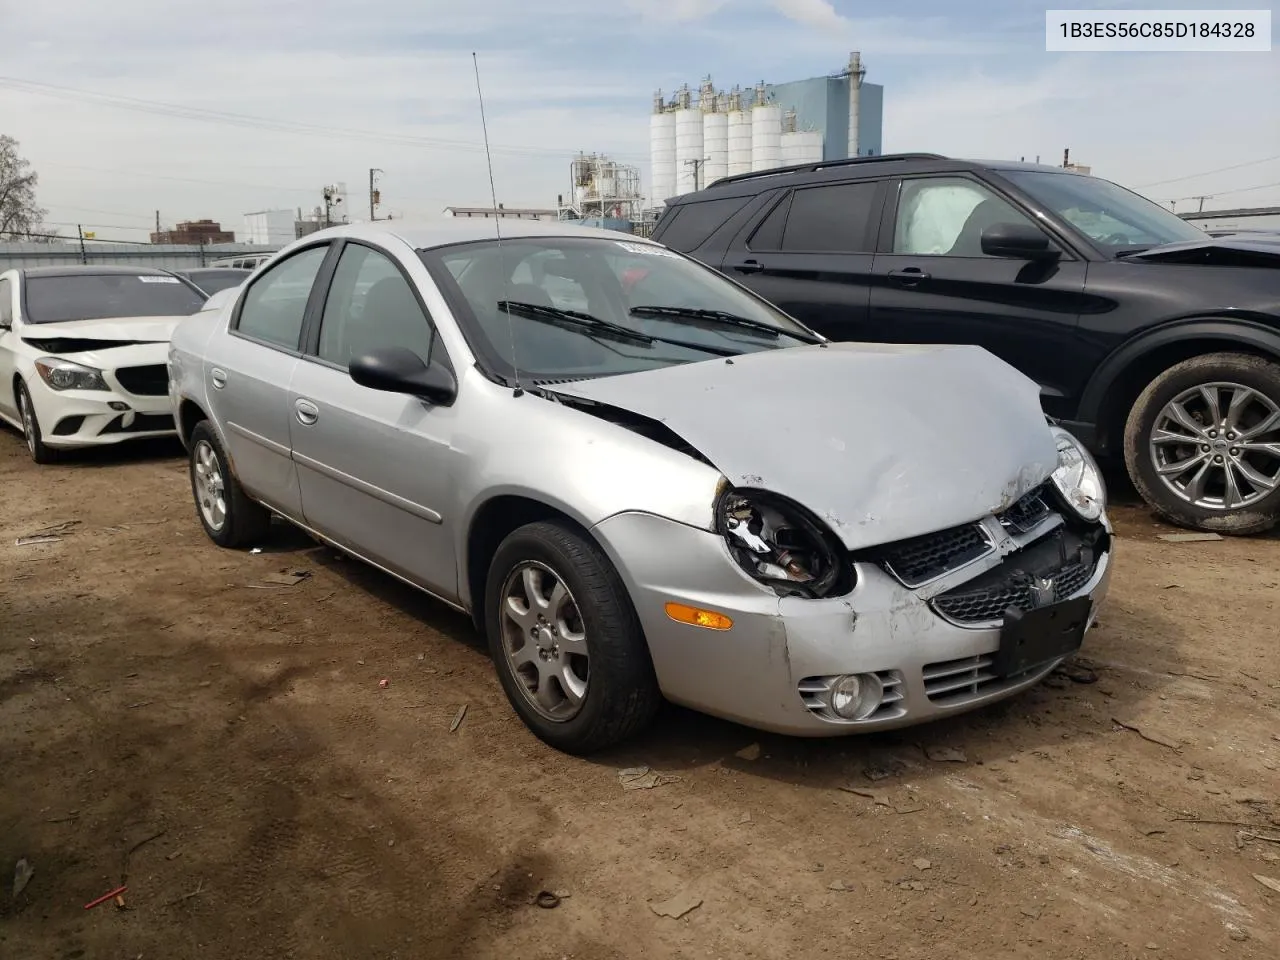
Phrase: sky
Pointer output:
(126, 107)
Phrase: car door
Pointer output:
(374, 467)
(248, 370)
(8, 345)
(812, 255)
(934, 284)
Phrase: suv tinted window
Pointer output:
(273, 307)
(831, 219)
(768, 235)
(945, 216)
(370, 306)
(691, 223)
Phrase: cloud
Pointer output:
(818, 14)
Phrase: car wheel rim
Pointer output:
(1217, 446)
(544, 640)
(28, 422)
(210, 489)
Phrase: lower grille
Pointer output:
(142, 423)
(811, 690)
(148, 381)
(68, 425)
(952, 682)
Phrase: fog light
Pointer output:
(856, 696)
(118, 405)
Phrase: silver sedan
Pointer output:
(644, 482)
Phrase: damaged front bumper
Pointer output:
(773, 667)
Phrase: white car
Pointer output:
(83, 353)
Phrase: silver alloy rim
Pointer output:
(544, 640)
(28, 421)
(210, 490)
(1217, 446)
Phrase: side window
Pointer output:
(945, 216)
(768, 235)
(692, 223)
(6, 303)
(273, 307)
(370, 307)
(831, 219)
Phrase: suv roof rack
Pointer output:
(826, 164)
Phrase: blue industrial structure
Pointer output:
(822, 104)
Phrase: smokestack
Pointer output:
(856, 73)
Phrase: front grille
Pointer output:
(1061, 557)
(1027, 513)
(921, 559)
(952, 682)
(142, 423)
(148, 381)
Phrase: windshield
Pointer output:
(1116, 219)
(102, 296)
(566, 297)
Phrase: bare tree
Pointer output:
(20, 216)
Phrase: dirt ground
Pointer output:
(155, 691)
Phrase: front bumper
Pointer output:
(763, 671)
(89, 418)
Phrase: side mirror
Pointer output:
(397, 370)
(1017, 241)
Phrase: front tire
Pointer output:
(566, 641)
(40, 451)
(225, 511)
(1202, 444)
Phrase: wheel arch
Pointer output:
(1116, 384)
(190, 413)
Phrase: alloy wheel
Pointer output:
(28, 421)
(210, 489)
(1217, 445)
(544, 640)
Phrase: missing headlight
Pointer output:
(777, 543)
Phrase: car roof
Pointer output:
(93, 271)
(191, 271)
(427, 234)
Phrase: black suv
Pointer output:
(1147, 336)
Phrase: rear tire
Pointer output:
(228, 515)
(591, 638)
(1232, 449)
(40, 451)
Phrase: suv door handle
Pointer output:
(219, 378)
(908, 275)
(749, 266)
(306, 411)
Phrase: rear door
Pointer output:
(812, 254)
(248, 371)
(933, 284)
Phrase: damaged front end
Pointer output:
(779, 544)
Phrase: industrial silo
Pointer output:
(662, 152)
(739, 136)
(802, 146)
(689, 152)
(766, 133)
(715, 137)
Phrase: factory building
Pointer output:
(696, 139)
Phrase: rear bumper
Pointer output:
(763, 670)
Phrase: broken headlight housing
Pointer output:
(1078, 479)
(778, 543)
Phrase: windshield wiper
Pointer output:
(719, 316)
(600, 327)
(1131, 252)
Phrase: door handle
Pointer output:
(219, 378)
(908, 275)
(306, 411)
(749, 266)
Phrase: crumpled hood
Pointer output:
(1235, 251)
(125, 329)
(883, 442)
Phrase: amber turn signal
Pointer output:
(697, 617)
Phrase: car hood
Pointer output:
(79, 336)
(883, 442)
(1234, 251)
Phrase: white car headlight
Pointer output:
(1078, 478)
(65, 375)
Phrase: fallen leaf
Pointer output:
(1269, 882)
(677, 906)
(945, 755)
(1032, 912)
(749, 753)
(22, 874)
(922, 864)
(286, 579)
(837, 885)
(878, 796)
(457, 718)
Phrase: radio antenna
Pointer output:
(497, 226)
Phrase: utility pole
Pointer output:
(157, 221)
(375, 195)
(331, 199)
(84, 257)
(1202, 200)
(697, 167)
(1066, 156)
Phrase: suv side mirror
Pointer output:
(1017, 241)
(397, 370)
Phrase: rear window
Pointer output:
(688, 226)
(105, 296)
